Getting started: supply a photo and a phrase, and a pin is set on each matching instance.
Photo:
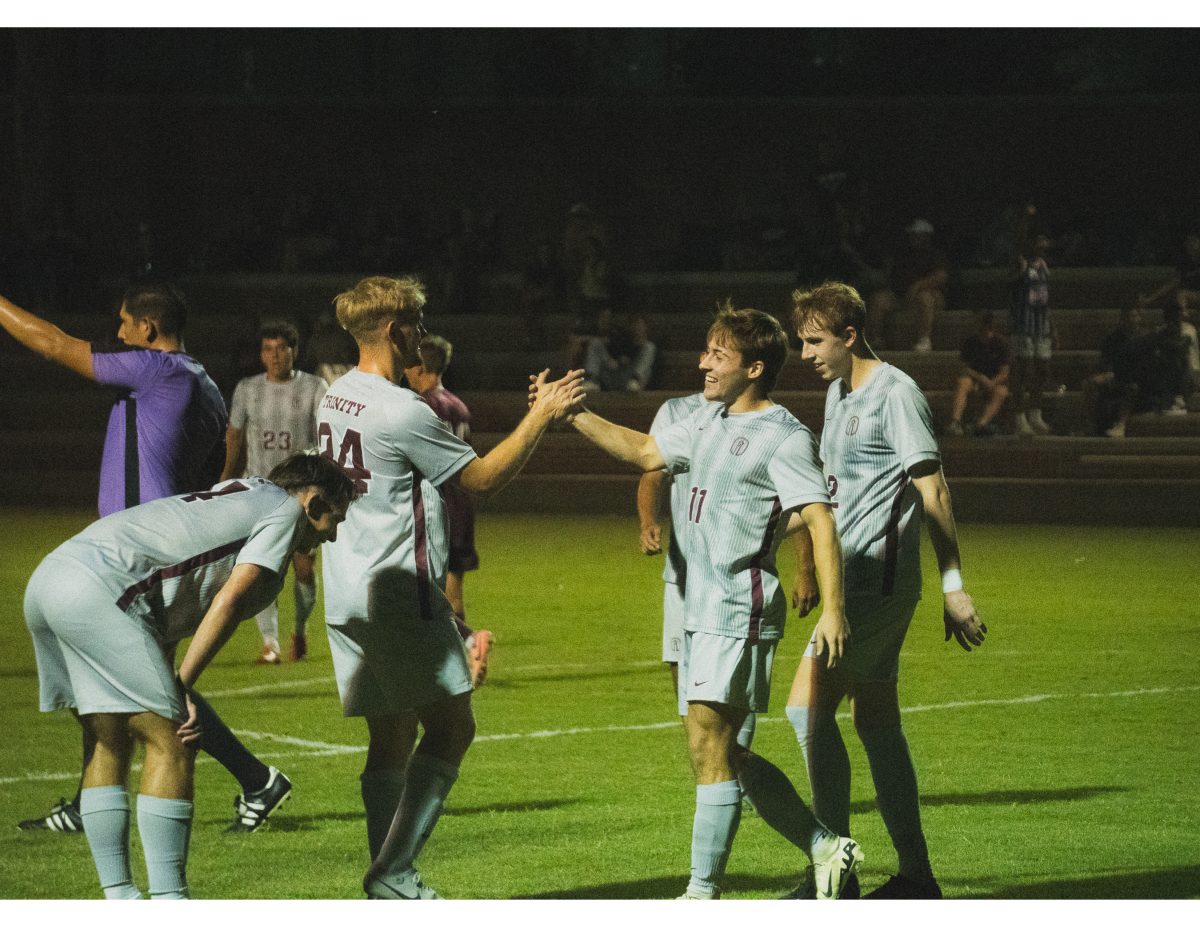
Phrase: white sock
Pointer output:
(718, 813)
(777, 802)
(306, 598)
(745, 734)
(106, 815)
(828, 766)
(165, 826)
(427, 782)
(268, 624)
(896, 794)
(381, 791)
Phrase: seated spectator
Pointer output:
(1109, 394)
(919, 279)
(623, 361)
(985, 372)
(1185, 285)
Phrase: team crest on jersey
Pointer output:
(739, 447)
(852, 425)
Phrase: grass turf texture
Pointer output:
(1057, 762)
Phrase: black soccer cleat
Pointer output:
(253, 810)
(63, 818)
(900, 887)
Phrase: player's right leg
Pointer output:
(712, 736)
(164, 805)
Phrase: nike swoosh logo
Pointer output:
(699, 683)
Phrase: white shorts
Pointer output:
(672, 638)
(726, 670)
(1030, 346)
(877, 631)
(392, 667)
(91, 656)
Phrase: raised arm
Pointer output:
(625, 444)
(556, 401)
(651, 492)
(958, 611)
(48, 340)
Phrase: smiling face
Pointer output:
(725, 378)
(278, 359)
(829, 354)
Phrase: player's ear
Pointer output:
(317, 507)
(151, 330)
(755, 370)
(850, 336)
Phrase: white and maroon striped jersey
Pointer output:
(872, 437)
(165, 561)
(389, 561)
(740, 474)
(277, 419)
(670, 412)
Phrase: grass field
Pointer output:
(1057, 762)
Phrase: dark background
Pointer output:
(200, 150)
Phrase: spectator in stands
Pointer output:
(1185, 285)
(920, 276)
(1170, 376)
(624, 360)
(985, 369)
(1031, 333)
(1110, 393)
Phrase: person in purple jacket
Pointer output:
(165, 436)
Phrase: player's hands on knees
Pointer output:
(962, 622)
(189, 732)
(831, 638)
(806, 594)
(651, 540)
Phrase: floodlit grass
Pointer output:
(1057, 762)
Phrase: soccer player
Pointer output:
(752, 477)
(884, 474)
(397, 656)
(274, 416)
(163, 438)
(425, 379)
(106, 609)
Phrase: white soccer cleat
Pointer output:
(835, 860)
(404, 887)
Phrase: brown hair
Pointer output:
(756, 335)
(832, 305)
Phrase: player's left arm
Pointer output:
(46, 339)
(806, 591)
(232, 605)
(958, 612)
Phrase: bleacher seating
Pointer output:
(56, 420)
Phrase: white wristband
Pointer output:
(951, 581)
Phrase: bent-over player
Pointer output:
(107, 608)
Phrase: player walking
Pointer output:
(274, 416)
(884, 473)
(752, 477)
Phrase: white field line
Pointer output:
(317, 748)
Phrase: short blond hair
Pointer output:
(376, 300)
